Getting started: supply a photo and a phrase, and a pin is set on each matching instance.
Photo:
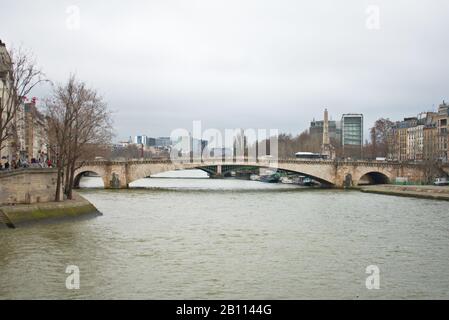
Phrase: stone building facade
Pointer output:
(421, 138)
(5, 95)
(442, 124)
(27, 138)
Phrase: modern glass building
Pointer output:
(316, 130)
(163, 142)
(352, 135)
(140, 139)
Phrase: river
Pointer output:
(233, 239)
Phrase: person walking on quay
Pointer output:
(35, 163)
(2, 163)
(25, 163)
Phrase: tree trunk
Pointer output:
(59, 180)
(71, 180)
(66, 178)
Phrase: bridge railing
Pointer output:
(271, 162)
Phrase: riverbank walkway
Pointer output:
(417, 191)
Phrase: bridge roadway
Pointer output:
(119, 174)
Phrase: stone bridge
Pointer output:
(119, 174)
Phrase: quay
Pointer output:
(13, 216)
(27, 196)
(416, 191)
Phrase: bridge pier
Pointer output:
(116, 178)
(116, 183)
(219, 173)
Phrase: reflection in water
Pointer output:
(188, 180)
(194, 173)
(203, 239)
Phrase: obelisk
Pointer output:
(326, 148)
(326, 140)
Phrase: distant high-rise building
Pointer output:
(163, 142)
(140, 139)
(145, 140)
(334, 130)
(352, 135)
(151, 142)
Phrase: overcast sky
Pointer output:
(241, 63)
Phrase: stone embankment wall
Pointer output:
(13, 216)
(27, 186)
(425, 192)
(27, 195)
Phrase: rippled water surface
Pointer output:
(214, 239)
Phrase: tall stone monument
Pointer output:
(326, 148)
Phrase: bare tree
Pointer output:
(431, 169)
(379, 137)
(77, 119)
(19, 75)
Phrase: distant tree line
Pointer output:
(134, 151)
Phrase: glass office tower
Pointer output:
(352, 135)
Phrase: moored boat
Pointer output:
(271, 178)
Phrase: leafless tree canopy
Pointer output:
(78, 120)
(378, 146)
(20, 77)
(288, 144)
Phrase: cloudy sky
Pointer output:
(160, 64)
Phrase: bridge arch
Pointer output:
(139, 171)
(321, 172)
(80, 175)
(319, 176)
(84, 170)
(373, 177)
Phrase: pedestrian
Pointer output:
(2, 162)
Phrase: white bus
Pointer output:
(310, 155)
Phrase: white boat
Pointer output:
(286, 180)
(254, 177)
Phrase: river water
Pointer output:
(233, 239)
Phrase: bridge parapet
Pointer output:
(251, 160)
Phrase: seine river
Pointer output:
(233, 239)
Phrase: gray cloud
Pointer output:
(260, 64)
